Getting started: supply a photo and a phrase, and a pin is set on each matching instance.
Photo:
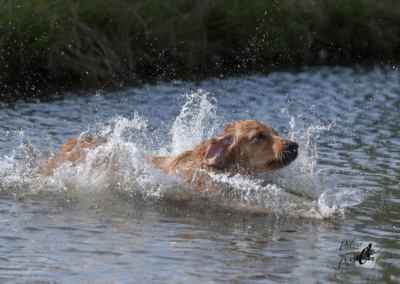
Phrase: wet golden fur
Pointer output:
(72, 151)
(247, 147)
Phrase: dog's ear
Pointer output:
(219, 151)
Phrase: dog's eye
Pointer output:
(259, 136)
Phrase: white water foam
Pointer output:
(120, 166)
(196, 122)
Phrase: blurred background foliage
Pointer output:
(100, 43)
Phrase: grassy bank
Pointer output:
(112, 43)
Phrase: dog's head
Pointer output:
(251, 147)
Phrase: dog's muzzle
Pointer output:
(290, 151)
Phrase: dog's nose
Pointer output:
(291, 146)
(289, 151)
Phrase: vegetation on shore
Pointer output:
(122, 42)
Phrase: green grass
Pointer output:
(104, 43)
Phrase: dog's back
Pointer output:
(73, 151)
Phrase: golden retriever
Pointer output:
(248, 147)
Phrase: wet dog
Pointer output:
(248, 147)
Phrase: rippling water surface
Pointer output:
(131, 223)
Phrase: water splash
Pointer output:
(19, 173)
(196, 122)
(120, 167)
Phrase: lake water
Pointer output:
(130, 222)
